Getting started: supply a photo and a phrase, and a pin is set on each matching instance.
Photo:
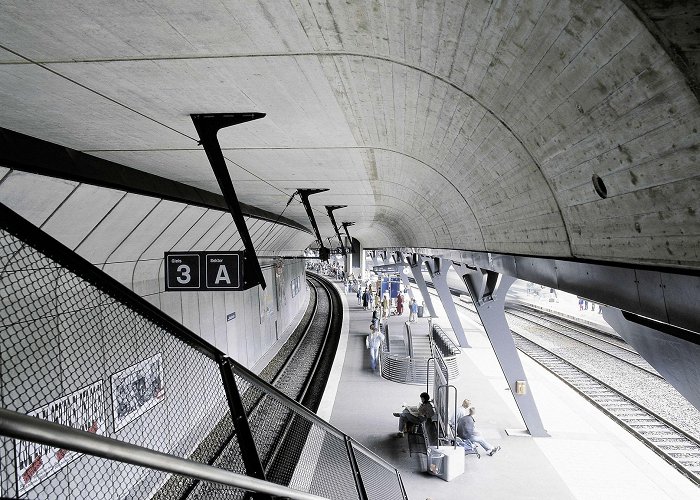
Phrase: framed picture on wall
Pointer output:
(137, 389)
(82, 409)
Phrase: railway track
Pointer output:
(615, 347)
(299, 370)
(678, 448)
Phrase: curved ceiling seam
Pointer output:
(63, 202)
(91, 231)
(128, 235)
(193, 245)
(414, 208)
(162, 261)
(138, 259)
(429, 203)
(393, 208)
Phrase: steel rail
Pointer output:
(677, 441)
(312, 372)
(636, 363)
(18, 426)
(586, 329)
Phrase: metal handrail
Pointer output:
(445, 338)
(18, 426)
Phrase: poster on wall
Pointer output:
(295, 286)
(84, 410)
(264, 303)
(136, 390)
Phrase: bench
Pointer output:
(420, 436)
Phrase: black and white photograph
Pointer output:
(136, 390)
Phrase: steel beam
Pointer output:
(416, 263)
(329, 209)
(438, 268)
(488, 291)
(208, 126)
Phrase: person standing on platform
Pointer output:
(466, 429)
(385, 305)
(374, 343)
(359, 295)
(413, 310)
(375, 317)
(415, 414)
(365, 299)
(399, 304)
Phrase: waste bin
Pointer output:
(420, 311)
(436, 459)
(446, 462)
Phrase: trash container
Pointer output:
(446, 462)
(435, 462)
(420, 311)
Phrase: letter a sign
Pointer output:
(222, 271)
(201, 271)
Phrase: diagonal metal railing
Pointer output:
(85, 353)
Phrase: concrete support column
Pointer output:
(438, 268)
(362, 264)
(488, 291)
(403, 268)
(416, 263)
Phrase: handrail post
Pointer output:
(249, 453)
(362, 494)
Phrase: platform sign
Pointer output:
(203, 271)
(223, 270)
(182, 271)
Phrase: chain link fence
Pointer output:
(77, 350)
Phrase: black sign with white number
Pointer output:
(182, 271)
(201, 271)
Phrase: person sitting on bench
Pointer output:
(415, 414)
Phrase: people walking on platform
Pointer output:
(399, 304)
(466, 429)
(413, 310)
(415, 414)
(385, 305)
(375, 317)
(374, 343)
(359, 295)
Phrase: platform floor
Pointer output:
(588, 456)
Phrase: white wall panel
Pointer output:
(81, 212)
(148, 229)
(34, 197)
(115, 227)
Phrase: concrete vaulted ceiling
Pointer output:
(443, 124)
